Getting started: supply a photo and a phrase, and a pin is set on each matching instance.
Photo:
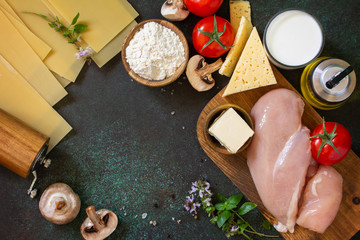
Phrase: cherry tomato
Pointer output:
(208, 40)
(330, 143)
(203, 8)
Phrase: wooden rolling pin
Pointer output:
(21, 147)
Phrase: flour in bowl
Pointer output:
(155, 52)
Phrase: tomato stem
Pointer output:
(214, 36)
(326, 138)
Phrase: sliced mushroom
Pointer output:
(59, 204)
(99, 224)
(199, 72)
(174, 10)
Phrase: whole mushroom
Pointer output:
(99, 224)
(199, 72)
(174, 10)
(59, 204)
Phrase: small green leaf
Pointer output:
(266, 224)
(220, 197)
(209, 209)
(220, 206)
(66, 33)
(222, 218)
(75, 19)
(40, 15)
(52, 25)
(243, 226)
(79, 28)
(235, 199)
(246, 207)
(213, 220)
(72, 40)
(230, 206)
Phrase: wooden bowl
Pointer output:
(155, 83)
(214, 115)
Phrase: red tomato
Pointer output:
(204, 32)
(335, 134)
(203, 8)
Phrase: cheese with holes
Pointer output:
(233, 56)
(39, 47)
(253, 69)
(237, 10)
(21, 56)
(20, 100)
(231, 130)
(105, 18)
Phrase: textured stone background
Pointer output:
(127, 149)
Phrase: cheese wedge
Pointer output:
(253, 69)
(105, 18)
(239, 8)
(233, 56)
(21, 56)
(19, 99)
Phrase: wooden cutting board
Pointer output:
(347, 221)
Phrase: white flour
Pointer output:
(155, 52)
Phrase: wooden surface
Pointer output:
(347, 221)
(155, 83)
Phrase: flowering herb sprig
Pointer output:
(226, 213)
(72, 33)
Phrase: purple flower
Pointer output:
(193, 189)
(190, 206)
(83, 54)
(201, 193)
(207, 202)
(207, 185)
(234, 228)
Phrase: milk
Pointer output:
(293, 38)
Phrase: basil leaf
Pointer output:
(73, 40)
(79, 28)
(243, 226)
(75, 19)
(246, 207)
(222, 218)
(234, 199)
(220, 206)
(220, 198)
(230, 206)
(266, 224)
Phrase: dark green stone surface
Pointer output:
(128, 150)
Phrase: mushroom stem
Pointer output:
(210, 68)
(59, 203)
(95, 219)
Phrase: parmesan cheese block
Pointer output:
(231, 130)
(21, 56)
(237, 10)
(19, 99)
(253, 69)
(233, 56)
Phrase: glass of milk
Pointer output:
(293, 38)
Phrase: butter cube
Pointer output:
(231, 130)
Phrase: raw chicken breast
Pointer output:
(279, 155)
(321, 200)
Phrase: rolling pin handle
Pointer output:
(32, 191)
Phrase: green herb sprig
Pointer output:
(71, 33)
(226, 213)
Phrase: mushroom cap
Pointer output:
(59, 204)
(195, 63)
(110, 219)
(174, 10)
